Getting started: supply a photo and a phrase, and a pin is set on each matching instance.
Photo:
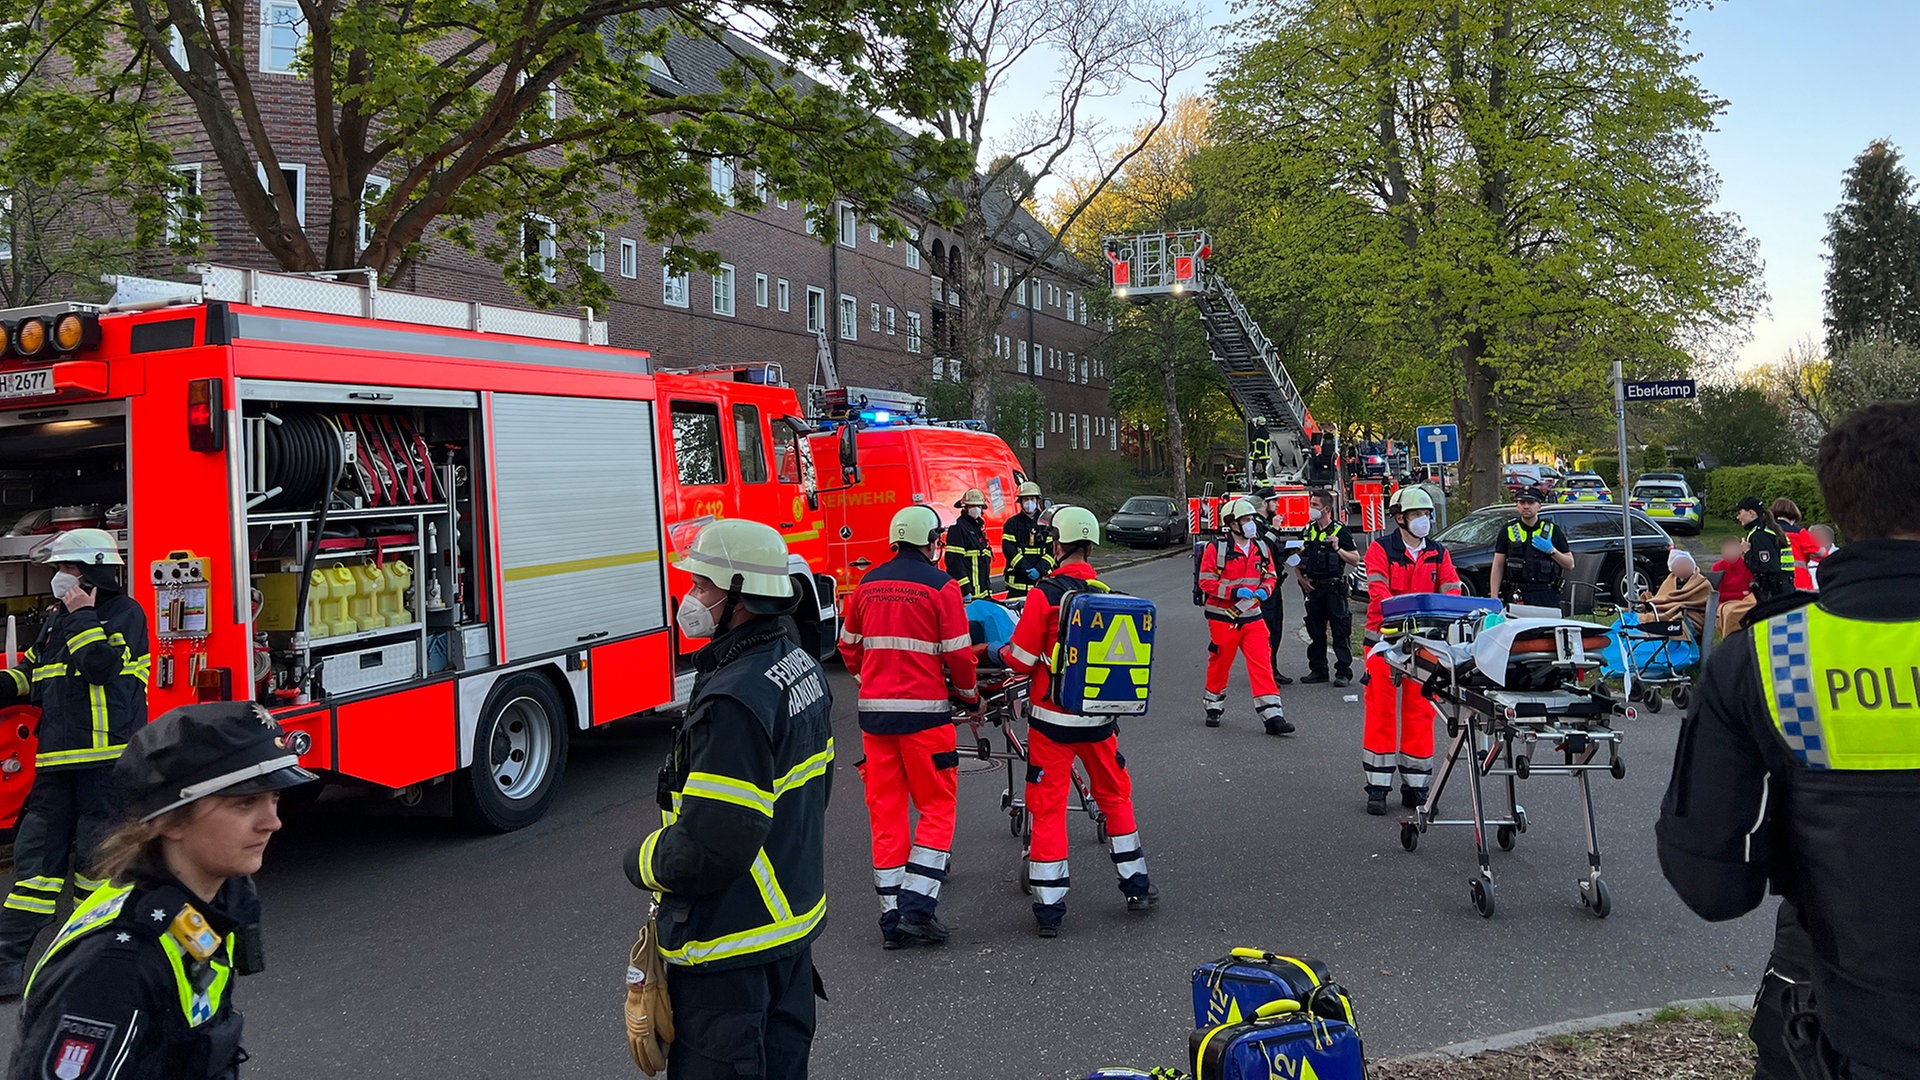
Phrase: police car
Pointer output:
(1669, 502)
(1584, 487)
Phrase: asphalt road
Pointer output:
(402, 947)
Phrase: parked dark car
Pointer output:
(1147, 519)
(1590, 528)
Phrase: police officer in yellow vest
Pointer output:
(1530, 555)
(1026, 544)
(88, 673)
(1799, 768)
(139, 983)
(739, 865)
(969, 557)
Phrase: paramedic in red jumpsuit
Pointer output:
(1056, 737)
(1401, 562)
(1236, 575)
(905, 639)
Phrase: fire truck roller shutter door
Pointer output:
(579, 521)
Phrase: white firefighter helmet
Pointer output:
(1072, 525)
(1240, 508)
(747, 554)
(1412, 498)
(915, 526)
(88, 547)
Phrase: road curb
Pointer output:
(1166, 553)
(1512, 1039)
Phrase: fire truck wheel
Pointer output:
(519, 752)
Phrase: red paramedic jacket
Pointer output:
(1391, 571)
(1030, 650)
(905, 637)
(1249, 565)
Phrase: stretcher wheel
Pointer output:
(1017, 820)
(1504, 836)
(1522, 766)
(1680, 696)
(984, 748)
(1520, 818)
(1594, 897)
(1482, 892)
(1100, 829)
(1618, 768)
(1409, 835)
(1653, 701)
(1453, 728)
(1006, 800)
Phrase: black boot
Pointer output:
(1411, 797)
(1143, 901)
(1377, 803)
(1314, 677)
(928, 930)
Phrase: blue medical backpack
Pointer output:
(1104, 658)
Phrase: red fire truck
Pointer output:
(431, 536)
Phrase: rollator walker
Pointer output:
(1509, 690)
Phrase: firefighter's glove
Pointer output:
(1543, 543)
(649, 1011)
(1243, 593)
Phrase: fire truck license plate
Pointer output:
(31, 383)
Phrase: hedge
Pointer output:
(1728, 486)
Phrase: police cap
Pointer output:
(1530, 494)
(217, 748)
(1266, 494)
(1751, 502)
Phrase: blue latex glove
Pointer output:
(1260, 594)
(1033, 573)
(1543, 543)
(1243, 593)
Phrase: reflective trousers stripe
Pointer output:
(1049, 880)
(1128, 858)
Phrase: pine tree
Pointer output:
(1873, 269)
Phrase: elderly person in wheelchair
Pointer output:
(1683, 595)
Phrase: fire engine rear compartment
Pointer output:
(61, 467)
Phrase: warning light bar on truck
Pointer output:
(47, 331)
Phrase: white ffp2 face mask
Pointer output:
(1249, 529)
(695, 619)
(1420, 526)
(64, 583)
(1030, 505)
(976, 512)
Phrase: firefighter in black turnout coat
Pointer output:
(739, 865)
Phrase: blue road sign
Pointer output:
(1659, 390)
(1439, 444)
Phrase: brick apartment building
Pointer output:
(888, 308)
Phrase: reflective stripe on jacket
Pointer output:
(1245, 564)
(739, 862)
(905, 638)
(88, 673)
(969, 557)
(1025, 546)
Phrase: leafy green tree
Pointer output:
(523, 129)
(1738, 425)
(1873, 265)
(1505, 195)
(1872, 370)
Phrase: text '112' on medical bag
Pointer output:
(1104, 658)
(1279, 1042)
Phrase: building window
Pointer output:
(913, 249)
(816, 310)
(759, 290)
(759, 186)
(1086, 372)
(629, 259)
(376, 188)
(1113, 435)
(873, 232)
(1069, 307)
(1073, 431)
(720, 177)
(889, 322)
(1039, 440)
(538, 251)
(849, 319)
(723, 291)
(675, 289)
(283, 30)
(597, 254)
(176, 46)
(807, 215)
(183, 203)
(1020, 293)
(1020, 355)
(873, 317)
(1099, 423)
(889, 245)
(1086, 430)
(783, 202)
(296, 178)
(913, 331)
(780, 292)
(849, 226)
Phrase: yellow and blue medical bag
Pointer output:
(1105, 655)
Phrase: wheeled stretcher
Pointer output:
(1510, 693)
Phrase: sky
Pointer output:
(1808, 84)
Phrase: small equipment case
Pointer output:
(1104, 658)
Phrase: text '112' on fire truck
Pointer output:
(433, 537)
